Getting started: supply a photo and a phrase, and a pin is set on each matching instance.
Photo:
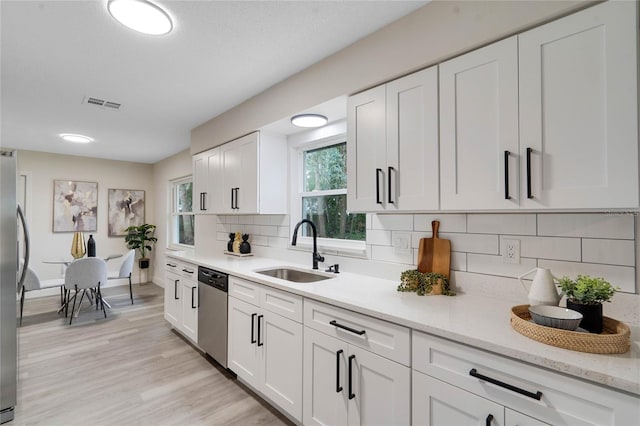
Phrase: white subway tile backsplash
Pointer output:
(262, 220)
(252, 229)
(379, 237)
(589, 225)
(612, 252)
(458, 261)
(278, 242)
(231, 219)
(280, 220)
(368, 220)
(546, 247)
(473, 243)
(495, 265)
(621, 276)
(221, 227)
(448, 222)
(520, 223)
(269, 230)
(222, 236)
(246, 219)
(283, 231)
(259, 240)
(389, 254)
(392, 222)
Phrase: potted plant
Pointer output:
(431, 283)
(141, 238)
(586, 295)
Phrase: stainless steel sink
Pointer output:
(294, 275)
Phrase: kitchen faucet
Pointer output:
(316, 256)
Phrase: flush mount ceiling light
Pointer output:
(141, 15)
(309, 120)
(70, 137)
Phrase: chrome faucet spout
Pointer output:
(294, 240)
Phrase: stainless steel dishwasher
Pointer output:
(212, 313)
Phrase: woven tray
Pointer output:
(614, 338)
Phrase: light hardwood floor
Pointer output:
(128, 369)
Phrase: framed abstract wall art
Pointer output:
(126, 208)
(75, 206)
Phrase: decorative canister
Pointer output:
(245, 247)
(236, 242)
(91, 246)
(232, 236)
(77, 245)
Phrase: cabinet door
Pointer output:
(438, 403)
(578, 111)
(200, 182)
(172, 299)
(281, 375)
(189, 306)
(478, 125)
(243, 349)
(412, 174)
(325, 387)
(514, 418)
(381, 389)
(366, 151)
(240, 168)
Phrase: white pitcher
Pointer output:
(543, 290)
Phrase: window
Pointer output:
(323, 196)
(182, 217)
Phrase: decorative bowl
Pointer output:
(555, 316)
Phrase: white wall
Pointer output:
(44, 168)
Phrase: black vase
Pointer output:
(232, 237)
(91, 247)
(591, 315)
(245, 247)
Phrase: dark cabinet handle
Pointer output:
(171, 265)
(351, 394)
(193, 298)
(198, 297)
(259, 342)
(338, 387)
(344, 327)
(473, 372)
(391, 169)
(187, 271)
(253, 317)
(506, 176)
(175, 289)
(529, 194)
(234, 204)
(232, 199)
(489, 418)
(204, 201)
(378, 200)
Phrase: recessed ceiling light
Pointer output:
(309, 120)
(141, 15)
(70, 137)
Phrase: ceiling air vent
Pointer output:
(102, 103)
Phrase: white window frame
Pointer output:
(325, 245)
(172, 231)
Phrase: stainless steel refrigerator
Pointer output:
(11, 276)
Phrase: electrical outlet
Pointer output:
(402, 242)
(511, 251)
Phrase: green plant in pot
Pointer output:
(586, 295)
(141, 238)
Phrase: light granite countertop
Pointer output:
(476, 320)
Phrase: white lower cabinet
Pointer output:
(265, 348)
(453, 382)
(181, 298)
(346, 384)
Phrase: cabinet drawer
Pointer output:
(563, 400)
(189, 271)
(282, 303)
(171, 265)
(384, 338)
(244, 290)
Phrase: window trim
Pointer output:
(172, 223)
(328, 245)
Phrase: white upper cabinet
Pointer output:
(578, 110)
(392, 145)
(479, 129)
(245, 176)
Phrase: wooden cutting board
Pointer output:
(434, 254)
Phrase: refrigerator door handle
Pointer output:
(26, 246)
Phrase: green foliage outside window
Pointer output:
(325, 169)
